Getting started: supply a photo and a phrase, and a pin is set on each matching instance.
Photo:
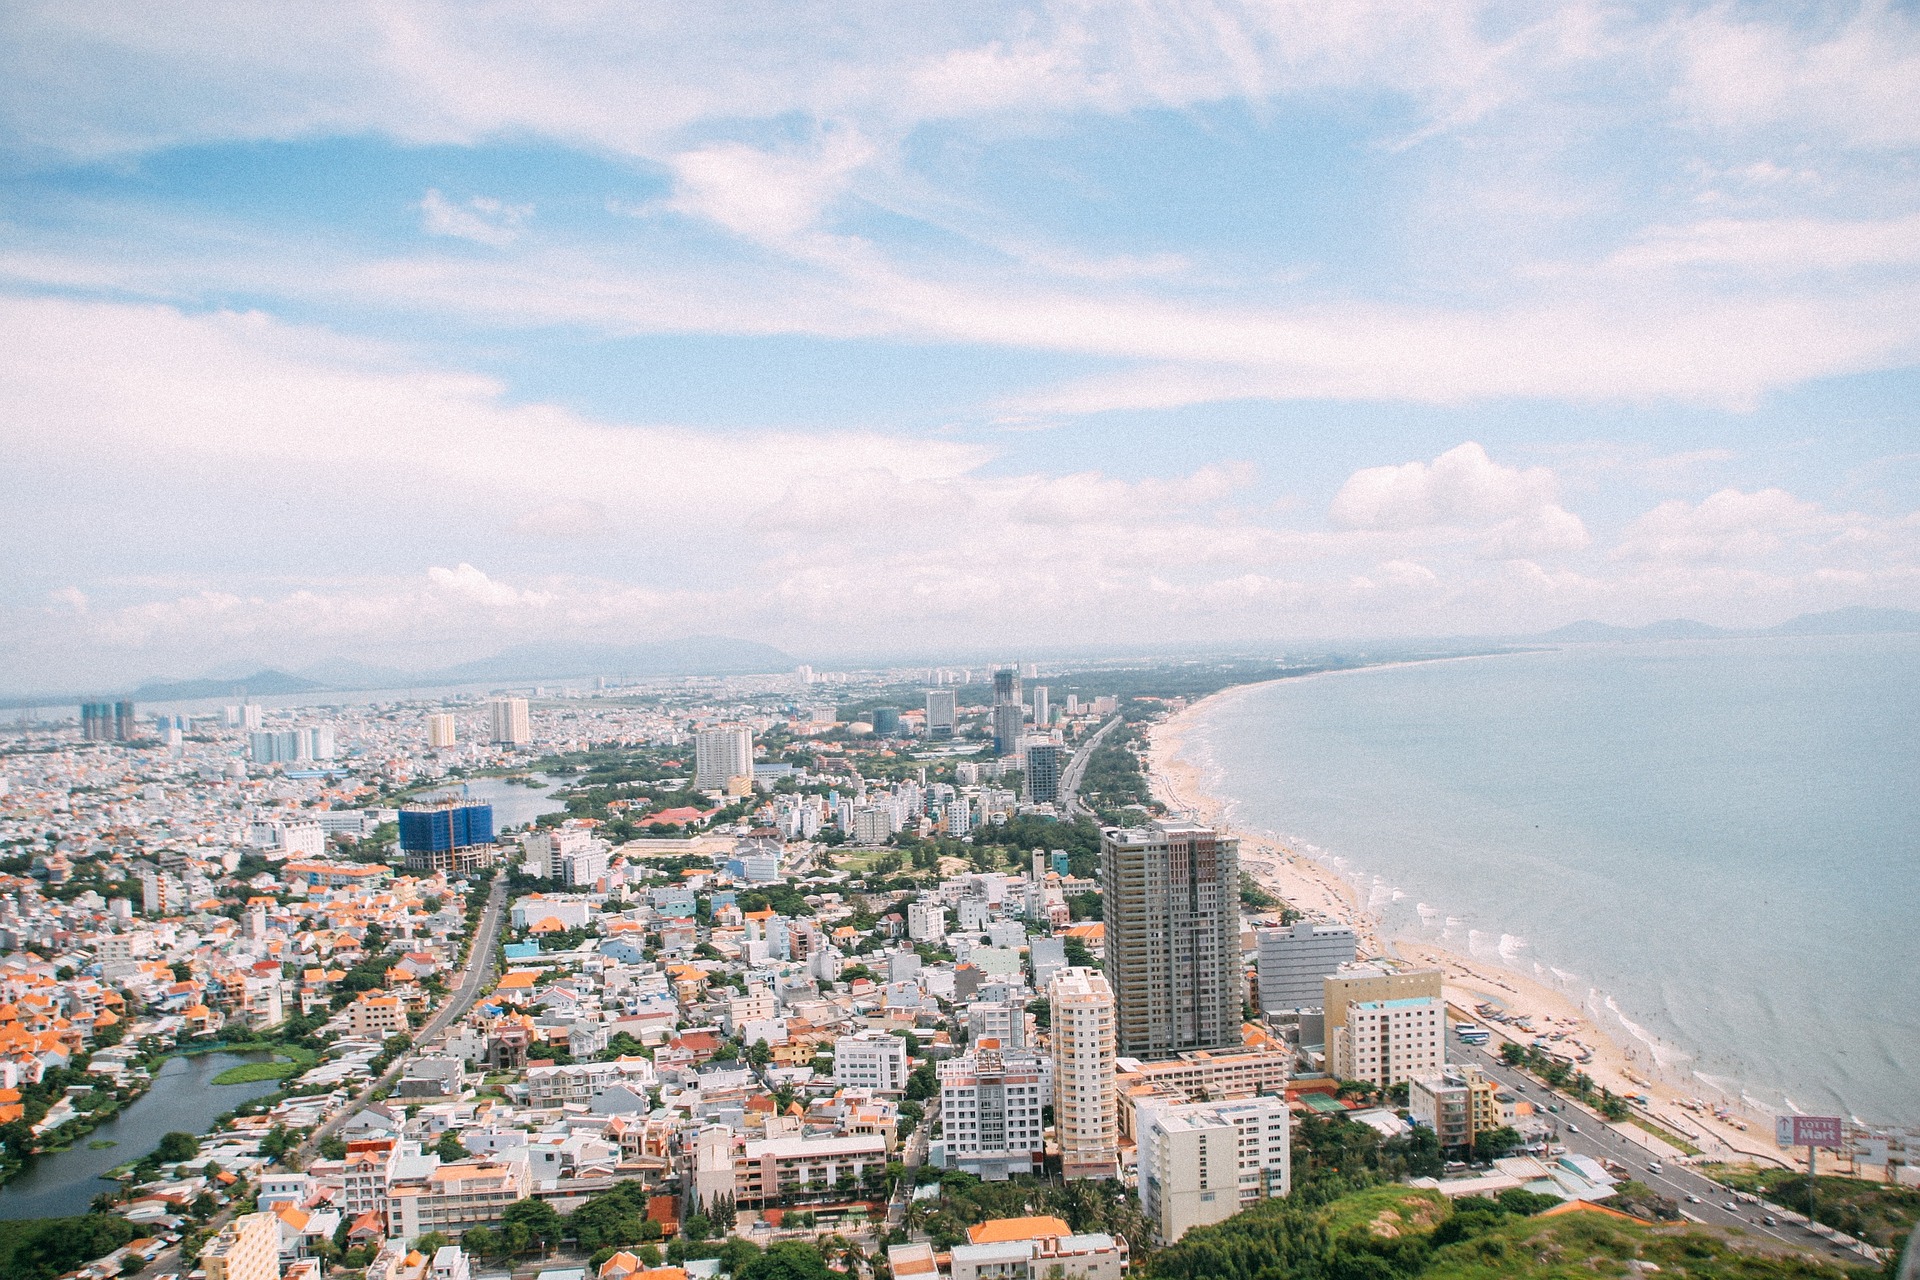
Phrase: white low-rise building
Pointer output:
(1202, 1162)
(874, 1060)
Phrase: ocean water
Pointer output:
(1713, 845)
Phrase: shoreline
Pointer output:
(1624, 1066)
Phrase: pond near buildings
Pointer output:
(514, 803)
(183, 1098)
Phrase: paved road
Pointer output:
(482, 959)
(916, 1155)
(1077, 768)
(480, 967)
(1602, 1140)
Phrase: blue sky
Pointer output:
(406, 331)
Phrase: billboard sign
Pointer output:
(1808, 1131)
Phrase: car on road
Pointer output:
(1732, 1207)
(1653, 1166)
(1693, 1199)
(1572, 1127)
(1769, 1220)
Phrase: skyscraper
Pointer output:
(1171, 890)
(1009, 716)
(507, 721)
(96, 721)
(1042, 712)
(125, 727)
(941, 713)
(1043, 771)
(722, 753)
(442, 731)
(1084, 1106)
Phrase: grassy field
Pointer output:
(1667, 1136)
(287, 1061)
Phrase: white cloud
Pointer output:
(1829, 72)
(767, 196)
(1774, 245)
(482, 219)
(1728, 525)
(1513, 512)
(578, 519)
(625, 81)
(1462, 486)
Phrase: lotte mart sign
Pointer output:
(1808, 1131)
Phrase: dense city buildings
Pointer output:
(1172, 936)
(743, 984)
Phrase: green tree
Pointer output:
(450, 1148)
(482, 1241)
(537, 1218)
(176, 1146)
(1496, 1143)
(760, 1053)
(787, 1260)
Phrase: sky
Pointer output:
(403, 332)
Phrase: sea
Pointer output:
(1713, 845)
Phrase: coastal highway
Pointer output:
(1603, 1140)
(1077, 769)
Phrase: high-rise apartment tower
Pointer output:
(507, 722)
(722, 754)
(941, 713)
(1085, 1108)
(1171, 890)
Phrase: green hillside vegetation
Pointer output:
(1877, 1212)
(1400, 1233)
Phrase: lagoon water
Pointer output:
(1715, 845)
(183, 1098)
(516, 804)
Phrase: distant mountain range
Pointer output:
(692, 656)
(1856, 620)
(261, 683)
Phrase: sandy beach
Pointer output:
(1321, 892)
